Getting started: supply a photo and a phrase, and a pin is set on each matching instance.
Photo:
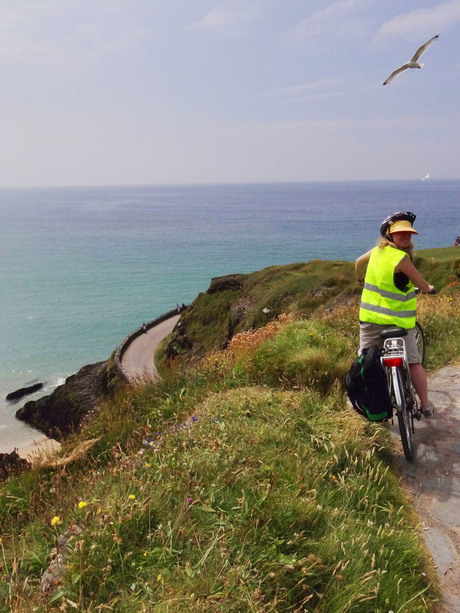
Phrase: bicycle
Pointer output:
(402, 393)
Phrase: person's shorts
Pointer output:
(369, 334)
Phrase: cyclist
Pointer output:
(389, 297)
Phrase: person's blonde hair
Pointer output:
(386, 242)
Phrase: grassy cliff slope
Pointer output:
(240, 302)
(241, 482)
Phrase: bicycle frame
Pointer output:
(396, 366)
(394, 356)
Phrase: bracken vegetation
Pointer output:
(241, 482)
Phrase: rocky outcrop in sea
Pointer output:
(62, 412)
(24, 391)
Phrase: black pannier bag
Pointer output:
(367, 386)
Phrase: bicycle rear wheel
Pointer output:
(420, 340)
(405, 416)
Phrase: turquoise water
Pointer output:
(81, 268)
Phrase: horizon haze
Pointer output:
(141, 92)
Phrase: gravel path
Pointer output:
(433, 479)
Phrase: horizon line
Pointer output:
(224, 183)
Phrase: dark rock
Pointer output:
(24, 391)
(11, 462)
(171, 352)
(179, 339)
(62, 412)
(228, 282)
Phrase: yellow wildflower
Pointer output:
(82, 504)
(56, 520)
(132, 497)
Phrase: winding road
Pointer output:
(137, 360)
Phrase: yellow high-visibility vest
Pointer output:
(381, 301)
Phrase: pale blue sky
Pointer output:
(116, 92)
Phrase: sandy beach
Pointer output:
(42, 446)
(19, 436)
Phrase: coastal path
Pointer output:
(433, 480)
(137, 360)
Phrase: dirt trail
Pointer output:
(433, 479)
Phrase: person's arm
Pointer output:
(361, 265)
(406, 266)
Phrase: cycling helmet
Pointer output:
(385, 226)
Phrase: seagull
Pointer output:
(413, 62)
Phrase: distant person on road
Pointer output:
(457, 241)
(389, 298)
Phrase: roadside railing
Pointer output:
(123, 346)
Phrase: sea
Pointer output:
(82, 267)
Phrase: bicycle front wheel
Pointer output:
(405, 417)
(420, 340)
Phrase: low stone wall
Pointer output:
(123, 346)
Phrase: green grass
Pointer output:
(270, 500)
(441, 267)
(446, 254)
(240, 483)
(304, 353)
(439, 317)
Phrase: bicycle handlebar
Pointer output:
(433, 291)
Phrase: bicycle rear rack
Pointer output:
(394, 352)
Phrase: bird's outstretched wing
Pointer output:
(423, 48)
(395, 73)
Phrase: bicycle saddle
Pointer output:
(393, 333)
